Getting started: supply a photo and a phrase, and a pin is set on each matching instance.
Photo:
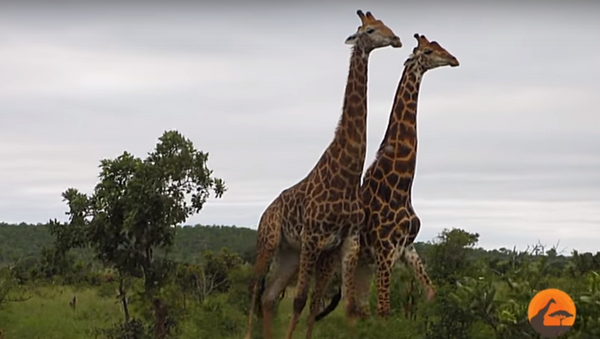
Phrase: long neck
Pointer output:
(400, 140)
(349, 145)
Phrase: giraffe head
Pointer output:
(373, 33)
(429, 54)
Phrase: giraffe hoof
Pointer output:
(430, 295)
(363, 315)
(352, 322)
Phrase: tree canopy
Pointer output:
(136, 205)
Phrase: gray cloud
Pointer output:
(507, 141)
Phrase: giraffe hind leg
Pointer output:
(363, 278)
(308, 259)
(257, 287)
(413, 260)
(267, 241)
(287, 266)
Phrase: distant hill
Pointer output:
(190, 241)
(25, 240)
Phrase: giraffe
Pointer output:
(322, 212)
(391, 224)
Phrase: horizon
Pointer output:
(506, 140)
(559, 250)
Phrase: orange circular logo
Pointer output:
(551, 312)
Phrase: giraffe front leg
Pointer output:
(385, 263)
(413, 260)
(350, 253)
(308, 258)
(324, 272)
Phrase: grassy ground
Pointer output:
(335, 326)
(48, 315)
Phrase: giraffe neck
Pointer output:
(400, 140)
(349, 146)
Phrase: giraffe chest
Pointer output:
(368, 254)
(292, 232)
(327, 238)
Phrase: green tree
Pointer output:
(135, 207)
(449, 258)
(448, 261)
(215, 277)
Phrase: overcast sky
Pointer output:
(508, 141)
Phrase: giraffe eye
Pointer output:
(370, 30)
(428, 51)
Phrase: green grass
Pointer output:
(335, 325)
(215, 325)
(47, 315)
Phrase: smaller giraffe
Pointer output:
(391, 221)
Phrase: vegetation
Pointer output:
(23, 241)
(122, 266)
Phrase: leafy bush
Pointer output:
(133, 329)
(214, 318)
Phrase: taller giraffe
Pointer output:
(391, 224)
(323, 211)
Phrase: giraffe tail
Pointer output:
(261, 290)
(332, 305)
(257, 288)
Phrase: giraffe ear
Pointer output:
(351, 39)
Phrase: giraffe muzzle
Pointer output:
(396, 43)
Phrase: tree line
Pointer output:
(22, 241)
